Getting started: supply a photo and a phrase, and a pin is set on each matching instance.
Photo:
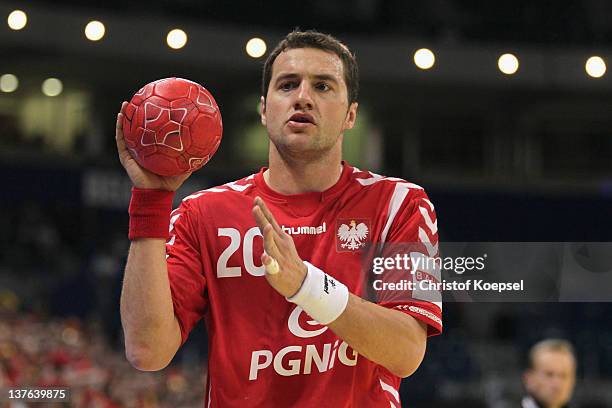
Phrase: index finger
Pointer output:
(267, 231)
(260, 218)
(266, 212)
(121, 147)
(119, 124)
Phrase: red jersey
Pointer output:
(263, 350)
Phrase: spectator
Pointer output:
(551, 374)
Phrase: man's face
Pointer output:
(306, 108)
(551, 381)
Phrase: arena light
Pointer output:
(595, 67)
(255, 47)
(95, 30)
(508, 64)
(8, 83)
(176, 39)
(17, 19)
(424, 58)
(52, 87)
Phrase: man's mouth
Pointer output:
(301, 120)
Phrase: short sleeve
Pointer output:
(185, 270)
(413, 231)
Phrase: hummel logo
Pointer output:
(305, 230)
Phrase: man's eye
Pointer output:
(322, 86)
(286, 86)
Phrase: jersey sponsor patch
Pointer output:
(300, 359)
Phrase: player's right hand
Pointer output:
(141, 177)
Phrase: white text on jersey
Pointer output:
(305, 230)
(303, 359)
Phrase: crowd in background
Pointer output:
(69, 352)
(59, 321)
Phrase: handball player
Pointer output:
(273, 262)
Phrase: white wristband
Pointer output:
(324, 298)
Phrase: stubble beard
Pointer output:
(301, 146)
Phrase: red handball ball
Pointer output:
(172, 126)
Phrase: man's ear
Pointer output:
(351, 116)
(527, 374)
(262, 110)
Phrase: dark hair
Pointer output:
(325, 42)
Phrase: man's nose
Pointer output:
(557, 383)
(304, 97)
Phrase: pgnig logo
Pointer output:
(303, 359)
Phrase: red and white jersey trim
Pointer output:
(391, 391)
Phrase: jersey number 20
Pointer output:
(226, 271)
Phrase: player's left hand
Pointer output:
(279, 247)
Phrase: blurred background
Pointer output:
(501, 110)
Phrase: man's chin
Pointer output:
(301, 146)
(299, 140)
(555, 401)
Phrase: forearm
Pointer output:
(152, 334)
(385, 336)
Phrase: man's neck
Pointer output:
(288, 176)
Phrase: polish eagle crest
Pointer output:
(353, 235)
